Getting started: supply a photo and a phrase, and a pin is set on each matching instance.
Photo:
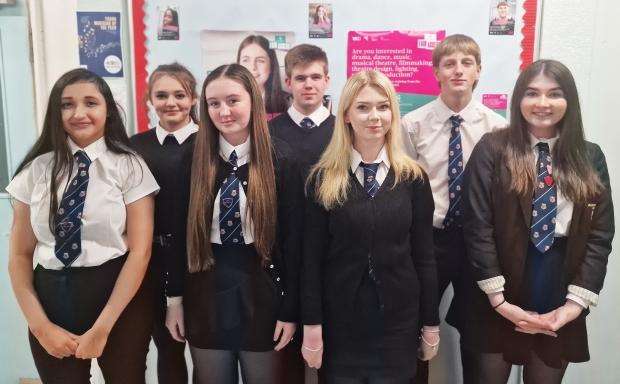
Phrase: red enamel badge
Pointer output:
(549, 180)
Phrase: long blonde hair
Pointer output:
(261, 202)
(331, 172)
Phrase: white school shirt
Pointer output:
(243, 157)
(426, 136)
(382, 170)
(180, 134)
(318, 117)
(115, 180)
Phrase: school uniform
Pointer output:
(164, 153)
(441, 140)
(74, 279)
(308, 136)
(507, 253)
(369, 274)
(234, 305)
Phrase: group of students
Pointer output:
(314, 237)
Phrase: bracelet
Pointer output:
(497, 306)
(434, 346)
(311, 349)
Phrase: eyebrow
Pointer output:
(227, 96)
(370, 102)
(552, 89)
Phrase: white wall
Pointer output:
(583, 34)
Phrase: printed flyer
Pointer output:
(403, 56)
(99, 35)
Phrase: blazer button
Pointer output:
(277, 279)
(234, 168)
(271, 266)
(245, 183)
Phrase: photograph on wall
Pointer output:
(168, 23)
(403, 56)
(502, 17)
(320, 21)
(261, 52)
(99, 41)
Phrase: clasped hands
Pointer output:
(531, 322)
(61, 343)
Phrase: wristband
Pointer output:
(497, 306)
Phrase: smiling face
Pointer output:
(230, 109)
(502, 11)
(543, 106)
(168, 17)
(256, 60)
(172, 103)
(370, 115)
(83, 111)
(457, 73)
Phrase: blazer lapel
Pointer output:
(526, 207)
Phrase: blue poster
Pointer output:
(100, 43)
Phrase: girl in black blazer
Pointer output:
(172, 94)
(538, 227)
(240, 299)
(369, 271)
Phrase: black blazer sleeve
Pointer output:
(315, 243)
(478, 211)
(176, 264)
(591, 273)
(290, 223)
(422, 249)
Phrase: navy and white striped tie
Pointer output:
(371, 185)
(68, 218)
(544, 205)
(455, 173)
(230, 213)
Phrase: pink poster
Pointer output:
(404, 56)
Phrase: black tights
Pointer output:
(214, 366)
(491, 368)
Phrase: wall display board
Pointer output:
(396, 37)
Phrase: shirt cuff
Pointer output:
(589, 297)
(577, 300)
(492, 285)
(174, 300)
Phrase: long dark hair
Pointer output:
(261, 200)
(181, 74)
(573, 171)
(54, 138)
(275, 97)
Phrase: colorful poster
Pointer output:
(404, 56)
(100, 48)
(320, 20)
(168, 23)
(498, 102)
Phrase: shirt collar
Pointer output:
(180, 134)
(356, 158)
(469, 113)
(242, 150)
(93, 150)
(318, 117)
(535, 140)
